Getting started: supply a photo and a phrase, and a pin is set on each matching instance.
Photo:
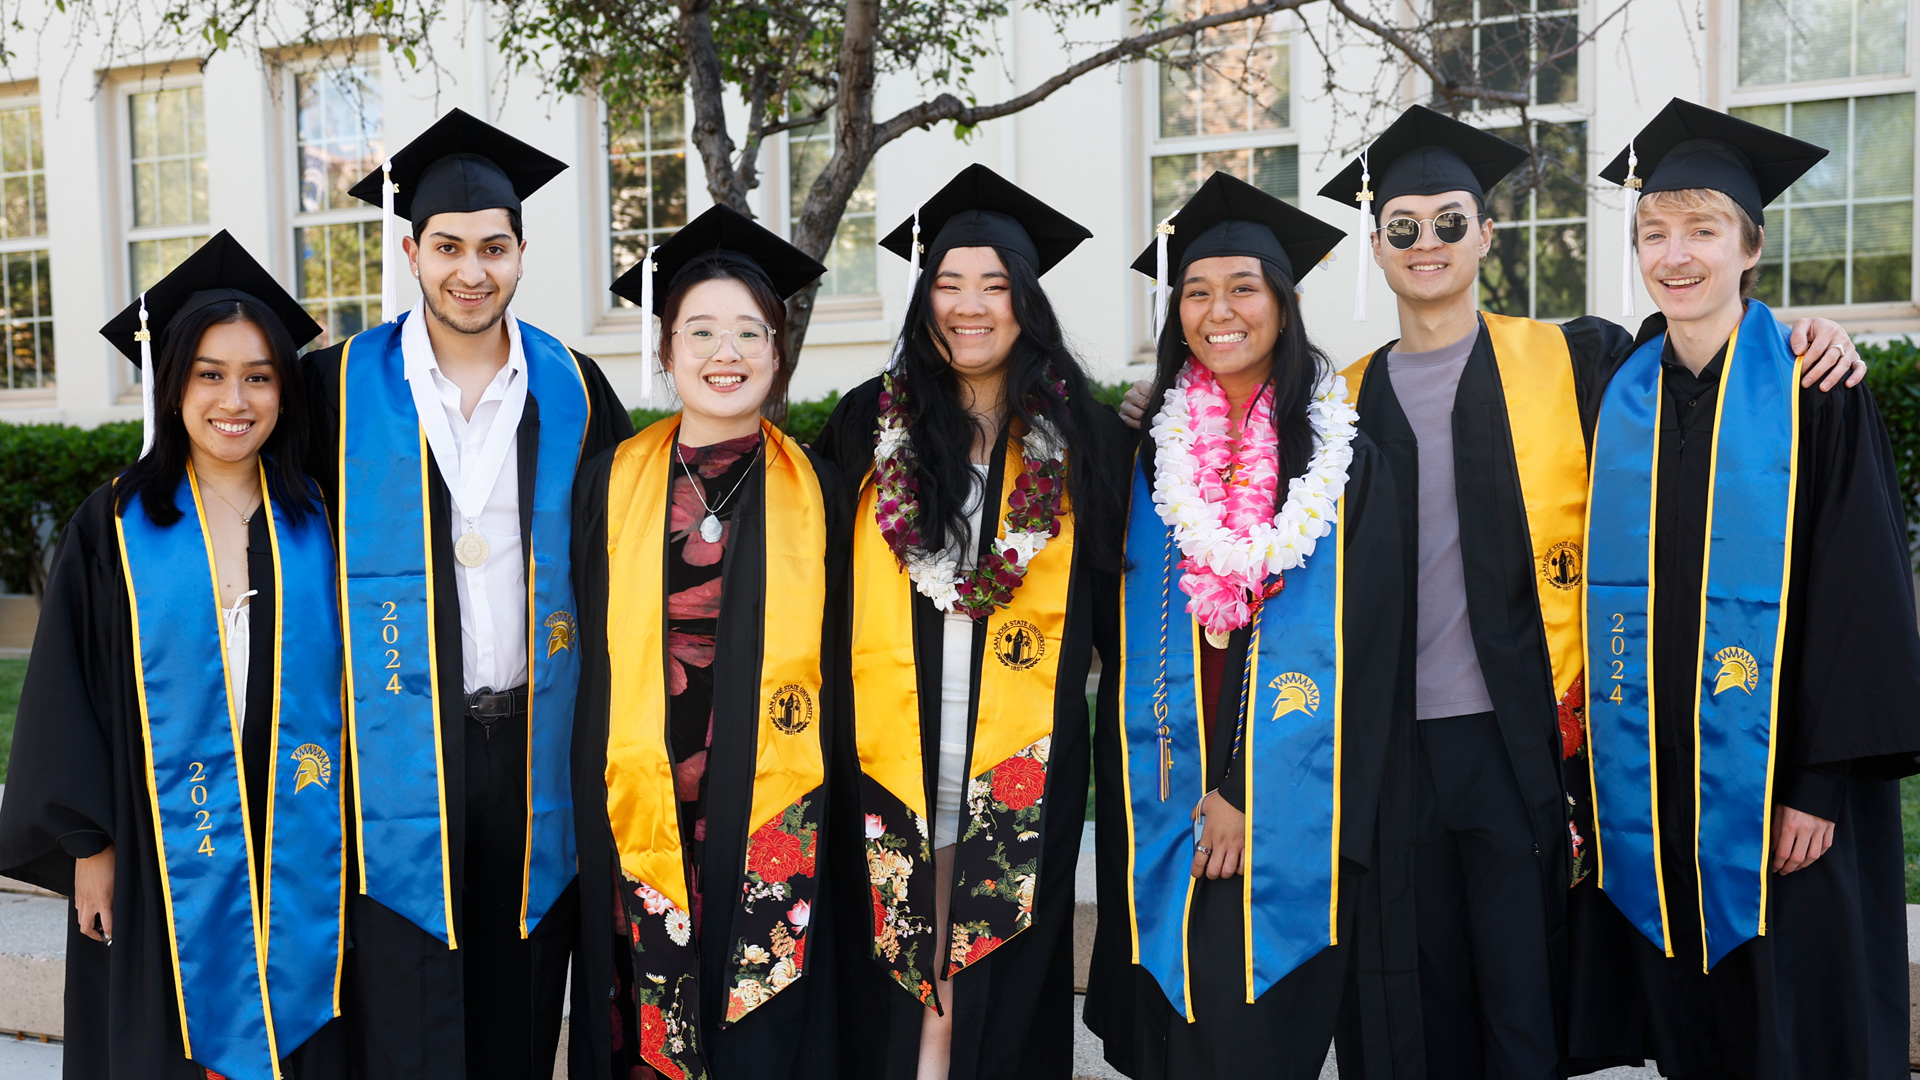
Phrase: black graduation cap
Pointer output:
(981, 208)
(1426, 153)
(721, 229)
(458, 165)
(1229, 216)
(219, 269)
(1691, 146)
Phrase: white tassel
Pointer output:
(1628, 264)
(913, 282)
(647, 350)
(1364, 236)
(392, 260)
(1162, 289)
(145, 338)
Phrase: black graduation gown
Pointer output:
(1013, 1010)
(407, 994)
(1287, 1031)
(77, 782)
(1824, 994)
(1503, 613)
(794, 1035)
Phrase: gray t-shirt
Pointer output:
(1447, 680)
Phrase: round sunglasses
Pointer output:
(1448, 228)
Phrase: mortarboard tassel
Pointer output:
(913, 282)
(1364, 236)
(1162, 234)
(1628, 264)
(392, 265)
(145, 338)
(647, 350)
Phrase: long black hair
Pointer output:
(155, 479)
(1297, 364)
(943, 431)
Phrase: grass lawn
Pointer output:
(1910, 825)
(11, 673)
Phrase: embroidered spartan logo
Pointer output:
(561, 632)
(1018, 644)
(1560, 566)
(1298, 693)
(791, 709)
(315, 767)
(1737, 668)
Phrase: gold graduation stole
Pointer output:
(997, 864)
(778, 880)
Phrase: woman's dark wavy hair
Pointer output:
(723, 265)
(155, 479)
(1297, 363)
(942, 430)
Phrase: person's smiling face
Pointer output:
(1432, 269)
(727, 386)
(469, 265)
(1691, 259)
(1230, 316)
(232, 398)
(973, 307)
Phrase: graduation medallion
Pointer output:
(470, 549)
(710, 529)
(1217, 640)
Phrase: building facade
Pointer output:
(108, 177)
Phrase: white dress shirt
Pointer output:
(479, 459)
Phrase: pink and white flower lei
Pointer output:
(1230, 536)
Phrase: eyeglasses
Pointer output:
(1448, 228)
(750, 339)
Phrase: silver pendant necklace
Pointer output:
(710, 527)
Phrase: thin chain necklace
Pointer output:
(710, 525)
(246, 518)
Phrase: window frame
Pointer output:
(1735, 96)
(608, 313)
(288, 176)
(841, 308)
(1560, 116)
(126, 381)
(19, 397)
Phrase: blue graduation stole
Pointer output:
(1290, 741)
(388, 591)
(253, 980)
(1743, 623)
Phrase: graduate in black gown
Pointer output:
(701, 550)
(447, 440)
(986, 487)
(1768, 671)
(1256, 702)
(177, 751)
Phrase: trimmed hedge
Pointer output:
(46, 470)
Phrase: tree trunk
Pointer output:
(709, 133)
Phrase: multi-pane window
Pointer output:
(167, 136)
(26, 293)
(1516, 46)
(1843, 233)
(1224, 103)
(1537, 266)
(336, 237)
(853, 260)
(646, 181)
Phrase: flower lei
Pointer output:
(1229, 536)
(1032, 517)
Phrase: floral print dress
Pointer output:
(715, 474)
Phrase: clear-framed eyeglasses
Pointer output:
(750, 338)
(1448, 228)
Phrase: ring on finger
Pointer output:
(1203, 849)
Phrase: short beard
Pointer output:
(485, 323)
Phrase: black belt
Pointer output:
(490, 706)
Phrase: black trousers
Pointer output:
(1485, 983)
(489, 1010)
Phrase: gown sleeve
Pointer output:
(1851, 619)
(609, 426)
(59, 803)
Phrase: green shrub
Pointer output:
(804, 418)
(1893, 374)
(46, 472)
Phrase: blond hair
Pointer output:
(1707, 201)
